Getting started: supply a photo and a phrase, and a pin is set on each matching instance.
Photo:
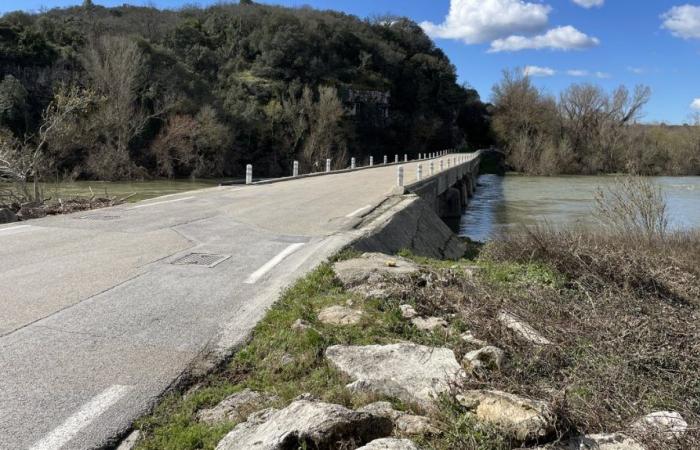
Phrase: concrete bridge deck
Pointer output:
(102, 311)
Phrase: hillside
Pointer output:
(202, 92)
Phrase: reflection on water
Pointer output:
(503, 203)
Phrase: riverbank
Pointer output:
(530, 345)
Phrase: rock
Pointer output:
(429, 323)
(301, 325)
(525, 419)
(407, 311)
(405, 423)
(521, 328)
(488, 357)
(340, 315)
(390, 444)
(383, 409)
(615, 441)
(668, 425)
(372, 274)
(129, 443)
(471, 339)
(235, 407)
(7, 216)
(414, 425)
(305, 423)
(410, 372)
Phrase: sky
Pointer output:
(558, 42)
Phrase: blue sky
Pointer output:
(608, 42)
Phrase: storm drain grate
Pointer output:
(201, 259)
(99, 217)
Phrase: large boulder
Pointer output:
(7, 216)
(236, 407)
(390, 444)
(410, 372)
(306, 424)
(523, 418)
(340, 315)
(371, 275)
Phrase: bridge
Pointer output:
(104, 311)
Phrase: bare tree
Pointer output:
(24, 160)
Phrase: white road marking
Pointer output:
(255, 276)
(146, 205)
(14, 230)
(81, 419)
(359, 211)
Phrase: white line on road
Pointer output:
(162, 203)
(14, 230)
(357, 212)
(255, 276)
(89, 412)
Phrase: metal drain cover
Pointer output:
(201, 259)
(99, 217)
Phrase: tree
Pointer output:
(26, 160)
(13, 104)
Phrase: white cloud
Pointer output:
(477, 21)
(536, 71)
(589, 3)
(696, 104)
(683, 21)
(586, 73)
(636, 70)
(560, 38)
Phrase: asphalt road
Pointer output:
(98, 319)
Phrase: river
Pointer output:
(142, 190)
(503, 203)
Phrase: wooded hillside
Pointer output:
(133, 92)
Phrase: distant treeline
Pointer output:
(587, 131)
(134, 92)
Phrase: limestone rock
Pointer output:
(405, 423)
(615, 441)
(390, 444)
(383, 409)
(304, 422)
(408, 311)
(525, 419)
(373, 274)
(410, 372)
(668, 425)
(429, 323)
(521, 328)
(301, 325)
(340, 315)
(471, 339)
(235, 407)
(7, 216)
(485, 358)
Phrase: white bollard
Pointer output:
(442, 165)
(352, 162)
(249, 174)
(399, 176)
(432, 168)
(448, 163)
(295, 170)
(419, 172)
(328, 165)
(405, 157)
(385, 159)
(371, 161)
(396, 159)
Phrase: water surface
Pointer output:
(142, 190)
(503, 203)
